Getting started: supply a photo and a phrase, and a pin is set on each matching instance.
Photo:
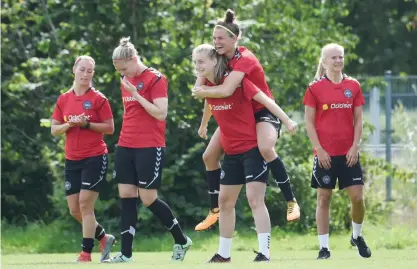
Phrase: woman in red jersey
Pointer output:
(84, 115)
(334, 99)
(244, 64)
(243, 163)
(141, 149)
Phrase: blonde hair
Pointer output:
(320, 68)
(221, 65)
(125, 51)
(84, 57)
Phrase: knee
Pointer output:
(357, 199)
(209, 158)
(225, 203)
(323, 201)
(255, 201)
(75, 213)
(147, 200)
(268, 152)
(86, 207)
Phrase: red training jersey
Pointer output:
(234, 116)
(83, 143)
(139, 128)
(245, 61)
(334, 119)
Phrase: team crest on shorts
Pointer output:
(140, 85)
(87, 105)
(114, 173)
(222, 174)
(67, 185)
(348, 93)
(326, 179)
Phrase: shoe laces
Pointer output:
(290, 207)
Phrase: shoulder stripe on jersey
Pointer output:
(104, 101)
(158, 79)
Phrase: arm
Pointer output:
(224, 90)
(105, 127)
(158, 109)
(352, 156)
(58, 128)
(206, 114)
(358, 125)
(323, 157)
(199, 82)
(202, 130)
(309, 117)
(263, 99)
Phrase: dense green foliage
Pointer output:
(41, 39)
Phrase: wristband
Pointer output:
(87, 126)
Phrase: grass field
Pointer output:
(394, 247)
(341, 259)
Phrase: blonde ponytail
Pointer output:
(320, 70)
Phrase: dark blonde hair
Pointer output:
(125, 51)
(229, 23)
(221, 65)
(320, 68)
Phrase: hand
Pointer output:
(291, 126)
(202, 131)
(198, 92)
(323, 158)
(128, 86)
(352, 156)
(78, 120)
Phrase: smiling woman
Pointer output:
(334, 99)
(243, 64)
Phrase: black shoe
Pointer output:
(324, 253)
(260, 257)
(363, 249)
(219, 259)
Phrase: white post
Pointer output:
(375, 111)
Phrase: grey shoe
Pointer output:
(181, 250)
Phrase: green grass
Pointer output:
(37, 238)
(341, 259)
(391, 248)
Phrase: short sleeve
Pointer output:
(159, 89)
(359, 100)
(104, 111)
(58, 113)
(249, 89)
(309, 99)
(244, 65)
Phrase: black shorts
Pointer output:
(85, 174)
(265, 115)
(244, 168)
(139, 166)
(326, 179)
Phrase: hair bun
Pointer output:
(124, 41)
(229, 16)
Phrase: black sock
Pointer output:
(281, 177)
(88, 244)
(213, 180)
(128, 224)
(100, 232)
(160, 209)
